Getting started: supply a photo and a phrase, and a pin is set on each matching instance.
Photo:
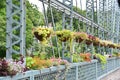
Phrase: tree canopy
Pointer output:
(34, 18)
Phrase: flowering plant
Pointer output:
(15, 67)
(10, 67)
(90, 39)
(80, 36)
(118, 46)
(86, 56)
(58, 61)
(38, 63)
(116, 54)
(65, 35)
(96, 41)
(42, 34)
(101, 58)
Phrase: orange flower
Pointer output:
(86, 56)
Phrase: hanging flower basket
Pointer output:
(90, 39)
(80, 36)
(103, 43)
(42, 34)
(111, 44)
(114, 45)
(88, 42)
(39, 37)
(118, 46)
(96, 41)
(64, 35)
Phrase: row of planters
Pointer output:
(43, 34)
(16, 65)
(42, 60)
(43, 68)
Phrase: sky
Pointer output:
(40, 6)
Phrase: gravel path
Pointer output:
(113, 76)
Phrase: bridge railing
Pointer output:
(93, 70)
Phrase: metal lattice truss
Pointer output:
(105, 11)
(62, 7)
(67, 19)
(116, 23)
(15, 27)
(107, 16)
(91, 9)
(101, 13)
(67, 22)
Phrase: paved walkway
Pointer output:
(113, 76)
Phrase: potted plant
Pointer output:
(80, 36)
(118, 46)
(90, 39)
(58, 61)
(110, 44)
(42, 34)
(101, 58)
(41, 63)
(114, 45)
(116, 54)
(104, 43)
(86, 56)
(96, 41)
(65, 35)
(11, 67)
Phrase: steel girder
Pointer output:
(60, 6)
(67, 20)
(91, 9)
(16, 26)
(15, 38)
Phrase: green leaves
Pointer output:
(102, 58)
(29, 62)
(33, 18)
(65, 35)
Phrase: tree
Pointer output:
(34, 18)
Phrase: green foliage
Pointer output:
(33, 18)
(102, 58)
(42, 34)
(56, 14)
(78, 25)
(64, 35)
(79, 11)
(2, 29)
(16, 56)
(29, 62)
(76, 57)
(116, 54)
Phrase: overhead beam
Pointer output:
(60, 6)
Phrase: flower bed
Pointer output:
(82, 70)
